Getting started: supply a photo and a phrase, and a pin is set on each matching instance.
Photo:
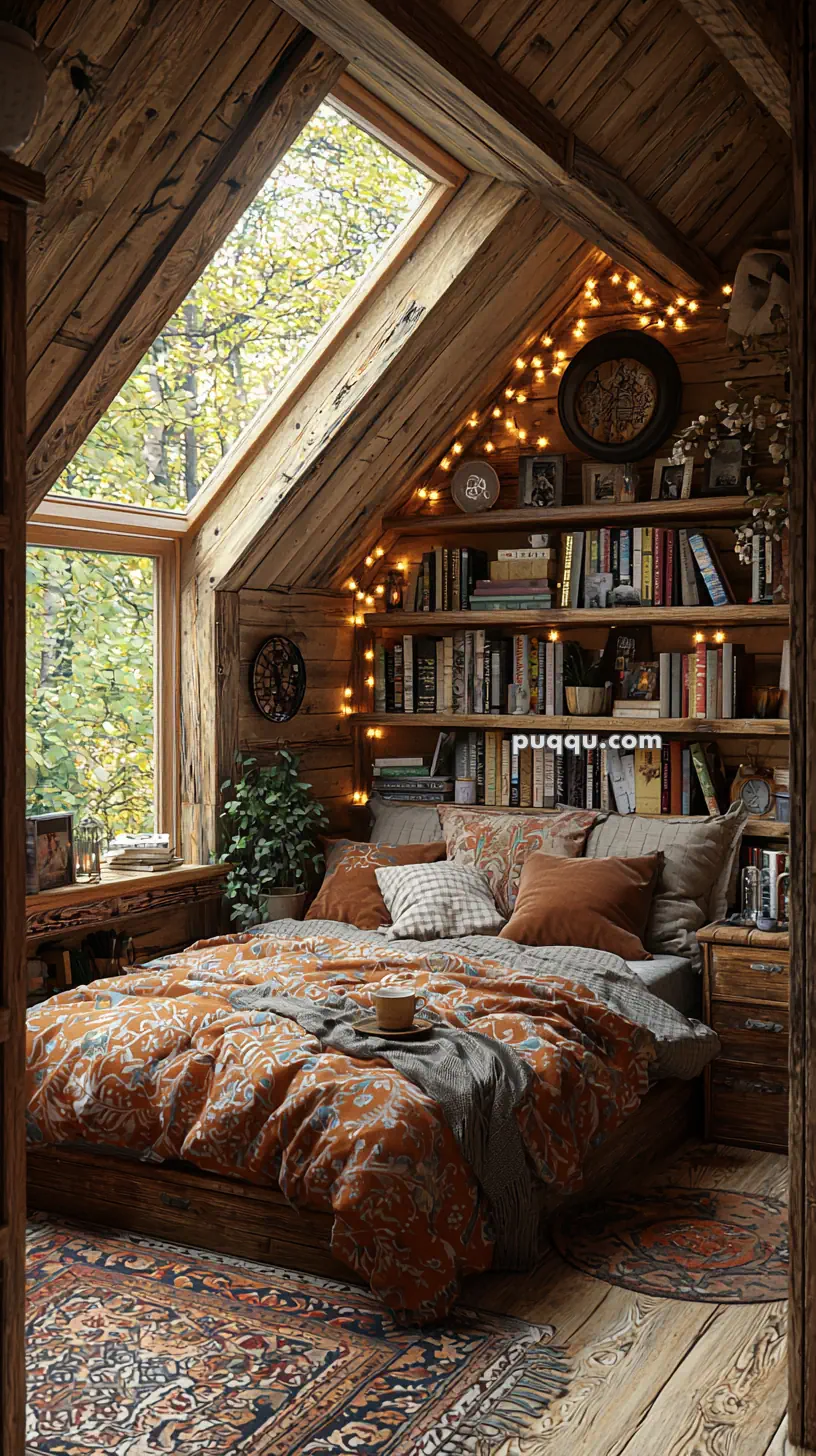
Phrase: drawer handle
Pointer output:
(170, 1202)
(752, 1025)
(770, 968)
(742, 1084)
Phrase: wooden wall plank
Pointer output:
(751, 35)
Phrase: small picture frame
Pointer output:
(670, 480)
(541, 480)
(49, 852)
(597, 588)
(725, 473)
(601, 484)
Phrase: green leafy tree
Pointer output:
(323, 217)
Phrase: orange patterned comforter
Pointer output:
(159, 1063)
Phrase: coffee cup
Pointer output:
(395, 1007)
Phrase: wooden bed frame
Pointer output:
(179, 1203)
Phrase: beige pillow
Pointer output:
(500, 844)
(403, 823)
(698, 858)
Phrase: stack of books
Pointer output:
(664, 567)
(142, 854)
(469, 672)
(402, 780)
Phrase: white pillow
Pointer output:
(435, 901)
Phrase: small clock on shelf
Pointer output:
(757, 789)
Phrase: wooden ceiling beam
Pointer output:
(752, 35)
(294, 89)
(412, 53)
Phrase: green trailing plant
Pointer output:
(582, 669)
(273, 823)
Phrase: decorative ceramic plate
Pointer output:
(278, 679)
(368, 1026)
(475, 486)
(620, 396)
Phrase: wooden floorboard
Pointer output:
(657, 1377)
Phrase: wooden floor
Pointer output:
(658, 1377)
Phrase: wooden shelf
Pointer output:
(704, 509)
(754, 828)
(545, 723)
(714, 617)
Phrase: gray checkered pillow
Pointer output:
(431, 901)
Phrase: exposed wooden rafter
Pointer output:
(301, 78)
(411, 51)
(753, 37)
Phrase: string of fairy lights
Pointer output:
(549, 355)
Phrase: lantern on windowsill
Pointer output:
(88, 840)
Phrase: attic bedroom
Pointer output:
(409, 589)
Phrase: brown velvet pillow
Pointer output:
(350, 892)
(602, 903)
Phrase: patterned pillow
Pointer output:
(500, 844)
(349, 892)
(430, 901)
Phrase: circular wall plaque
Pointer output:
(620, 396)
(278, 679)
(475, 486)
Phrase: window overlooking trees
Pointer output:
(322, 219)
(90, 619)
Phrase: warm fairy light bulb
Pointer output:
(594, 302)
(522, 434)
(371, 733)
(348, 693)
(379, 551)
(552, 634)
(445, 464)
(546, 340)
(422, 493)
(433, 495)
(369, 601)
(369, 654)
(679, 324)
(355, 798)
(379, 732)
(693, 306)
(359, 620)
(671, 310)
(346, 710)
(647, 302)
(363, 797)
(536, 361)
(539, 374)
(637, 296)
(644, 320)
(352, 621)
(520, 364)
(542, 442)
(727, 290)
(680, 301)
(616, 278)
(560, 354)
(351, 584)
(489, 447)
(590, 285)
(719, 637)
(473, 421)
(521, 397)
(509, 423)
(661, 323)
(361, 596)
(497, 411)
(632, 284)
(509, 392)
(558, 369)
(402, 566)
(457, 448)
(698, 638)
(379, 590)
(577, 333)
(369, 561)
(370, 681)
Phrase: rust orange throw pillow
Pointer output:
(602, 903)
(350, 892)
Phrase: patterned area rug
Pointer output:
(136, 1347)
(700, 1244)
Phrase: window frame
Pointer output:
(85, 531)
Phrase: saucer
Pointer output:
(368, 1026)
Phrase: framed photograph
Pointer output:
(725, 474)
(49, 852)
(597, 587)
(541, 480)
(601, 484)
(671, 481)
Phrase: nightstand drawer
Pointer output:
(755, 1034)
(742, 974)
(748, 1105)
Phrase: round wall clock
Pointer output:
(475, 486)
(620, 396)
(278, 679)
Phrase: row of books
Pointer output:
(660, 565)
(472, 673)
(456, 578)
(677, 778)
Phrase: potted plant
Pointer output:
(584, 686)
(273, 823)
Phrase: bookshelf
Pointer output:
(729, 616)
(552, 723)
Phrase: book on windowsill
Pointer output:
(146, 867)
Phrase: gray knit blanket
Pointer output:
(477, 1082)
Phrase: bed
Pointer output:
(155, 1106)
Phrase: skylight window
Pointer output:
(320, 222)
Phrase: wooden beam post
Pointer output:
(752, 35)
(802, 1137)
(292, 93)
(413, 52)
(210, 674)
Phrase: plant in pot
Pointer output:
(585, 687)
(273, 823)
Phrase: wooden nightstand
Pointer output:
(745, 999)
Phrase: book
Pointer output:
(412, 771)
(408, 673)
(399, 763)
(648, 780)
(689, 592)
(665, 681)
(701, 768)
(525, 553)
(714, 579)
(425, 674)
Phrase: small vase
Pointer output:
(286, 904)
(23, 80)
(586, 702)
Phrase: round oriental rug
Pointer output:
(698, 1244)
